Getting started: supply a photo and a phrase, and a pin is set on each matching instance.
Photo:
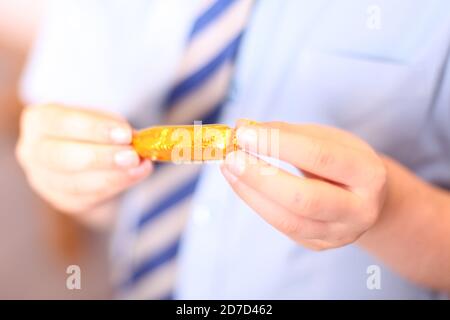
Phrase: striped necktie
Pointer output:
(200, 91)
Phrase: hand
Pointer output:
(77, 159)
(339, 197)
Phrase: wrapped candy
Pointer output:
(185, 143)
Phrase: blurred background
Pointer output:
(37, 244)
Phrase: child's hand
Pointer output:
(339, 198)
(76, 159)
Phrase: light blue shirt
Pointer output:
(381, 72)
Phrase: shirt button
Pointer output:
(202, 215)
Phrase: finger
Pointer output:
(309, 198)
(77, 192)
(336, 135)
(76, 124)
(69, 156)
(296, 227)
(93, 182)
(320, 156)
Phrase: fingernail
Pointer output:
(235, 163)
(121, 135)
(141, 170)
(126, 159)
(246, 137)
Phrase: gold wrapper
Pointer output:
(185, 143)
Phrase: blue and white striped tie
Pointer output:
(199, 92)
